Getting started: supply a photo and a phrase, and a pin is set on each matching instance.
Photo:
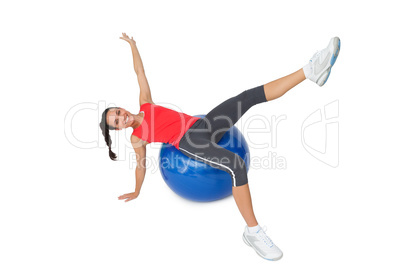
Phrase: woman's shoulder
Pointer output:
(146, 103)
(137, 141)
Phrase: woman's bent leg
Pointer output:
(242, 197)
(223, 159)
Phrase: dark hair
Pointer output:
(105, 131)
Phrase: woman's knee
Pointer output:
(256, 95)
(239, 177)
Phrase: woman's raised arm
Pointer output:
(145, 91)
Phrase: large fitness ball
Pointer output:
(195, 180)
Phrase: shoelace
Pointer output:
(316, 55)
(320, 55)
(264, 237)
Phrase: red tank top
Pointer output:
(162, 124)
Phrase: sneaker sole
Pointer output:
(334, 57)
(248, 244)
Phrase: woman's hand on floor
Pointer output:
(128, 197)
(125, 37)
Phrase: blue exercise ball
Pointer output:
(195, 180)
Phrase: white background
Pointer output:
(59, 203)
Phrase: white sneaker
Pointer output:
(319, 67)
(262, 244)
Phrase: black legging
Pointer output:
(200, 140)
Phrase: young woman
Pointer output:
(198, 137)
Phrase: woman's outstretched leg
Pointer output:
(317, 70)
(277, 88)
(225, 115)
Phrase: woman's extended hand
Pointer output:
(125, 37)
(129, 196)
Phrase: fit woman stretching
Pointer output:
(198, 137)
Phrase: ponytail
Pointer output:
(105, 131)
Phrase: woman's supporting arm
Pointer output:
(140, 154)
(139, 178)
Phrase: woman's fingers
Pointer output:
(128, 197)
(127, 38)
(131, 198)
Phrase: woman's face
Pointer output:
(119, 118)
